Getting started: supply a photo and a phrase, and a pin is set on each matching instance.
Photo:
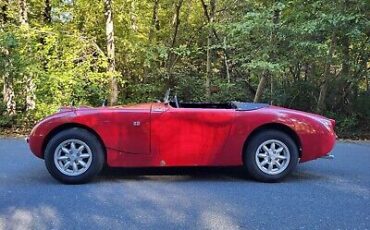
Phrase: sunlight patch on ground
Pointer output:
(103, 222)
(2, 224)
(36, 218)
(217, 220)
(348, 186)
(152, 202)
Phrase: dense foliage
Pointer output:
(307, 55)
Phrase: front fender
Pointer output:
(42, 129)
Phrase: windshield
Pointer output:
(166, 98)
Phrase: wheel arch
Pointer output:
(66, 126)
(275, 126)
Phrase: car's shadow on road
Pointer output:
(175, 174)
(39, 175)
(215, 174)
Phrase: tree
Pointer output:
(324, 86)
(4, 12)
(109, 28)
(210, 16)
(8, 89)
(8, 82)
(23, 12)
(155, 21)
(171, 60)
(28, 79)
(313, 54)
(266, 75)
(47, 11)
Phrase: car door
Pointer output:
(189, 136)
(135, 131)
(125, 130)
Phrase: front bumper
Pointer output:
(35, 144)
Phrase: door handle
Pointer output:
(136, 123)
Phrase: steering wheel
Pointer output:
(166, 99)
(176, 101)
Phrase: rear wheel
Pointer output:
(74, 156)
(270, 156)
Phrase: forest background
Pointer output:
(302, 54)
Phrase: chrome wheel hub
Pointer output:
(272, 157)
(72, 157)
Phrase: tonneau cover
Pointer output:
(248, 106)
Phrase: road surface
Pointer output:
(322, 194)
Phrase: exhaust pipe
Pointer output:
(329, 157)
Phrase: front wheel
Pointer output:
(270, 156)
(74, 156)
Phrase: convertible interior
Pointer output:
(203, 105)
(239, 106)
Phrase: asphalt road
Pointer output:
(322, 194)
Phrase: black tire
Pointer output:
(97, 155)
(250, 163)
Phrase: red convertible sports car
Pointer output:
(268, 141)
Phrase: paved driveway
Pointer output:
(322, 194)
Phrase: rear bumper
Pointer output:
(318, 145)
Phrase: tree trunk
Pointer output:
(9, 97)
(47, 12)
(171, 56)
(23, 12)
(224, 50)
(226, 63)
(30, 92)
(4, 13)
(346, 57)
(28, 80)
(275, 21)
(306, 69)
(210, 17)
(176, 22)
(155, 21)
(208, 69)
(133, 17)
(111, 51)
(266, 75)
(211, 14)
(8, 89)
(153, 27)
(346, 79)
(324, 86)
(261, 87)
(272, 88)
(366, 77)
